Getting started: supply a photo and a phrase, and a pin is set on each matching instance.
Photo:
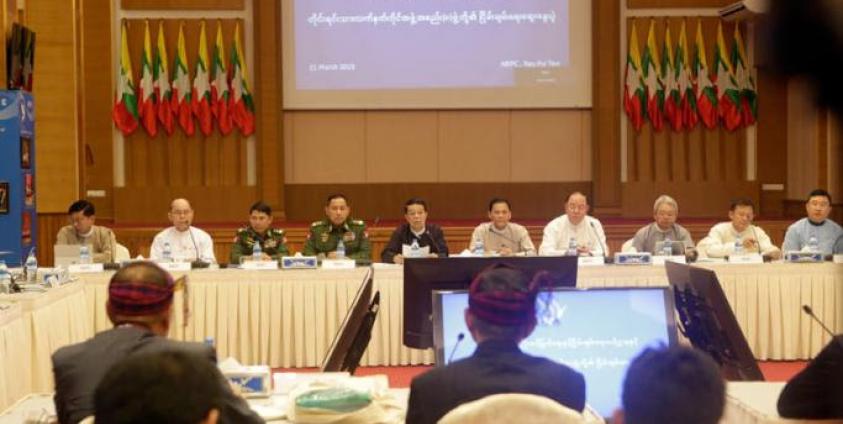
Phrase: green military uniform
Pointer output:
(273, 243)
(324, 237)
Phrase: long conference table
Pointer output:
(289, 318)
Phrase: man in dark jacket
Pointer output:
(816, 393)
(415, 229)
(140, 298)
(501, 313)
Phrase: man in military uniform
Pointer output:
(273, 242)
(325, 234)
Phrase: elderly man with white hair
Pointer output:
(663, 228)
(184, 242)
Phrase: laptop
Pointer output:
(65, 254)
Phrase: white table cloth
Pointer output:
(755, 403)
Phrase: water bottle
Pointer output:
(257, 253)
(5, 278)
(667, 247)
(31, 267)
(738, 245)
(340, 250)
(84, 254)
(415, 250)
(813, 244)
(167, 252)
(209, 341)
(478, 248)
(572, 247)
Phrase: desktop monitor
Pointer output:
(708, 321)
(355, 331)
(422, 276)
(598, 332)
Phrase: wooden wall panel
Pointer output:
(474, 146)
(329, 147)
(149, 205)
(401, 146)
(270, 154)
(182, 4)
(606, 130)
(676, 4)
(49, 225)
(550, 145)
(55, 91)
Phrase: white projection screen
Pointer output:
(436, 54)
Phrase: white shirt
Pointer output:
(184, 244)
(588, 233)
(720, 241)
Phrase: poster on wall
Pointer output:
(4, 197)
(26, 228)
(28, 190)
(25, 152)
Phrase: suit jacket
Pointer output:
(816, 392)
(78, 369)
(497, 366)
(432, 237)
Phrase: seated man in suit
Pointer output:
(722, 237)
(672, 385)
(663, 228)
(816, 393)
(325, 235)
(140, 297)
(82, 231)
(501, 313)
(170, 386)
(415, 229)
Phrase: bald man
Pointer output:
(186, 243)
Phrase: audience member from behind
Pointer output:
(163, 387)
(501, 313)
(140, 297)
(815, 231)
(415, 229)
(663, 228)
(816, 393)
(186, 243)
(82, 231)
(722, 237)
(672, 385)
(272, 242)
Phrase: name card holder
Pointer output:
(838, 258)
(633, 258)
(660, 260)
(749, 258)
(591, 261)
(259, 265)
(299, 262)
(803, 257)
(253, 381)
(175, 266)
(85, 268)
(338, 264)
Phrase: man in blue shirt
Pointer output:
(816, 231)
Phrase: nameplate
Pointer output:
(253, 381)
(591, 261)
(838, 258)
(660, 260)
(299, 262)
(636, 258)
(750, 258)
(259, 265)
(85, 268)
(175, 266)
(803, 257)
(338, 264)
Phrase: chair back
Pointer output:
(512, 408)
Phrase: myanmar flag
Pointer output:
(688, 99)
(200, 101)
(161, 83)
(729, 99)
(181, 87)
(705, 91)
(634, 100)
(125, 111)
(671, 85)
(242, 106)
(652, 79)
(746, 84)
(219, 86)
(146, 106)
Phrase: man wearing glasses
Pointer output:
(574, 230)
(182, 242)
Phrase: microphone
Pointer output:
(460, 338)
(807, 309)
(195, 247)
(599, 241)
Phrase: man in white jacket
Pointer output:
(720, 241)
(575, 224)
